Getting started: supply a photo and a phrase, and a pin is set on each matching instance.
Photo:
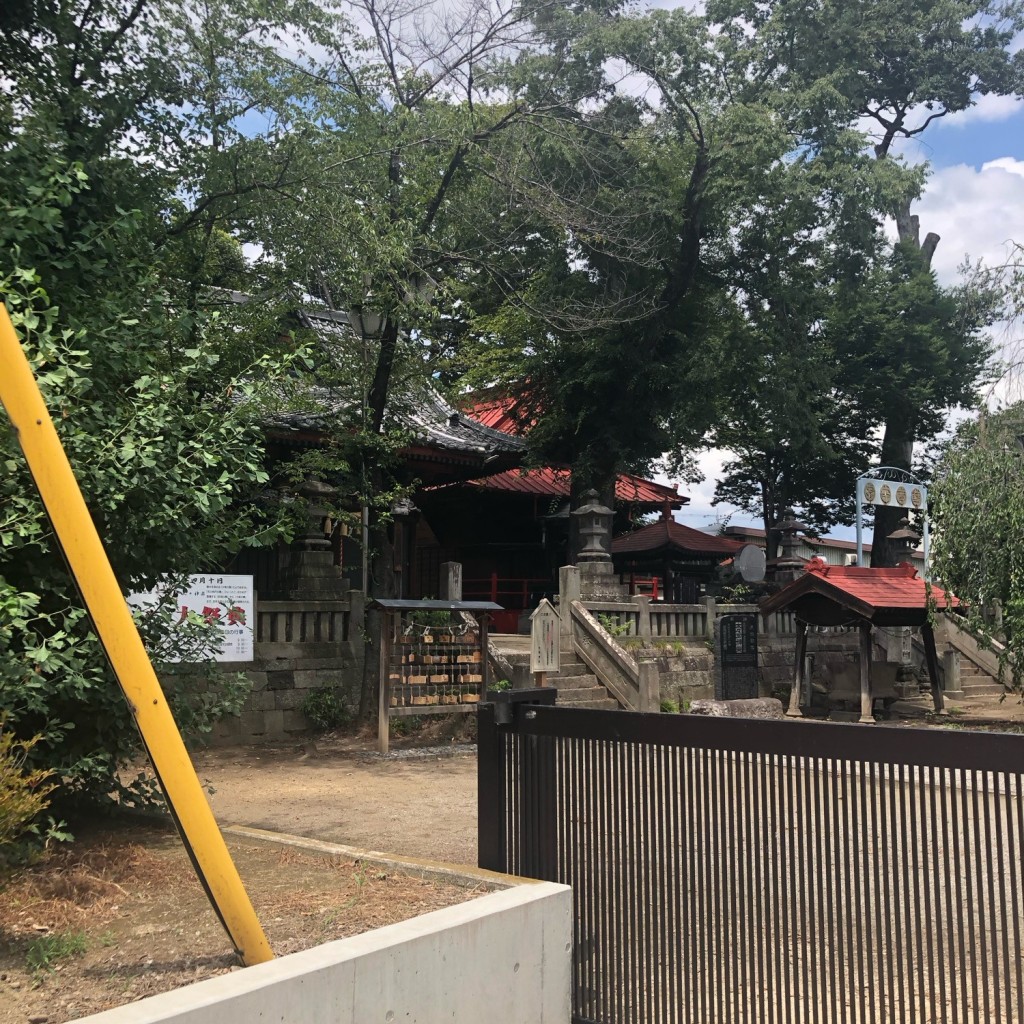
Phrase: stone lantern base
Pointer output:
(598, 582)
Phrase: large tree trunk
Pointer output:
(899, 435)
(382, 583)
(898, 451)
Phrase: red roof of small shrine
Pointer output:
(667, 533)
(831, 595)
(555, 483)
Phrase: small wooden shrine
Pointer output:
(833, 595)
(433, 658)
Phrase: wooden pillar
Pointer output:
(865, 674)
(798, 671)
(451, 581)
(384, 687)
(928, 635)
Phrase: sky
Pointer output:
(974, 199)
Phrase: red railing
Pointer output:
(645, 585)
(509, 591)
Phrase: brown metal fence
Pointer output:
(732, 871)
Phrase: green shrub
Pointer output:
(327, 708)
(670, 707)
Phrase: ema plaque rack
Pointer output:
(433, 659)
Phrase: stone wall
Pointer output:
(686, 667)
(315, 644)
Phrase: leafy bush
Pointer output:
(670, 707)
(23, 792)
(327, 708)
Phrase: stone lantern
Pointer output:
(310, 572)
(789, 565)
(594, 526)
(903, 542)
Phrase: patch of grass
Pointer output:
(47, 950)
(406, 726)
(670, 707)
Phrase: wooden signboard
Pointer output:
(544, 640)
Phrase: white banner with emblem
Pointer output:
(908, 494)
(894, 493)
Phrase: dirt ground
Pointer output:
(419, 803)
(120, 915)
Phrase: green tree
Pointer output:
(155, 400)
(978, 553)
(898, 68)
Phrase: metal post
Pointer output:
(860, 521)
(490, 791)
(384, 695)
(113, 622)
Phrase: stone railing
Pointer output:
(308, 622)
(643, 618)
(634, 685)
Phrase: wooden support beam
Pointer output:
(931, 657)
(866, 715)
(798, 671)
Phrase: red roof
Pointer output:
(667, 533)
(499, 414)
(830, 595)
(555, 483)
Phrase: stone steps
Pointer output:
(577, 685)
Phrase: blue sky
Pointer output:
(974, 200)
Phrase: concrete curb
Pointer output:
(457, 874)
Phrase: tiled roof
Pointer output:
(555, 483)
(667, 533)
(890, 597)
(432, 421)
(498, 413)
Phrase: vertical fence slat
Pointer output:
(741, 871)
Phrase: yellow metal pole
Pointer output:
(112, 619)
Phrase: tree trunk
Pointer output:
(381, 560)
(381, 584)
(899, 435)
(898, 451)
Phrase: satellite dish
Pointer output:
(750, 563)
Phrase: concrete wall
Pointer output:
(505, 958)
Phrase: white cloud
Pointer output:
(987, 109)
(1005, 163)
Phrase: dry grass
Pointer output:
(121, 915)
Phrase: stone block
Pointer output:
(757, 707)
(265, 700)
(280, 680)
(274, 723)
(295, 721)
(252, 724)
(258, 680)
(291, 700)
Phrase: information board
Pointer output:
(224, 600)
(737, 656)
(544, 638)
